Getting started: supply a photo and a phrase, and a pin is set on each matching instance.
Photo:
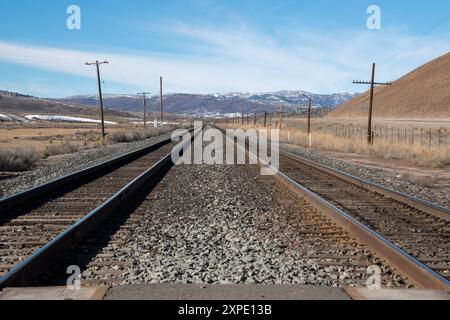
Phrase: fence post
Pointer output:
(421, 136)
(429, 142)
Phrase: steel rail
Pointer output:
(39, 191)
(417, 203)
(24, 273)
(417, 272)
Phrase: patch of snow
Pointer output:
(4, 117)
(11, 117)
(17, 118)
(66, 119)
(158, 122)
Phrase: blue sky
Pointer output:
(208, 46)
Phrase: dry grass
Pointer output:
(420, 155)
(14, 160)
(434, 156)
(132, 136)
(63, 148)
(24, 158)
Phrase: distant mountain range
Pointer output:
(215, 104)
(197, 105)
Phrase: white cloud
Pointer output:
(241, 59)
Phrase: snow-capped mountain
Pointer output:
(219, 103)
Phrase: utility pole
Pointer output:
(161, 99)
(281, 116)
(97, 64)
(265, 119)
(144, 97)
(370, 136)
(309, 121)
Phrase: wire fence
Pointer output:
(426, 136)
(431, 137)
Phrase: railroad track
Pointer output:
(410, 234)
(104, 257)
(100, 248)
(420, 229)
(42, 239)
(37, 225)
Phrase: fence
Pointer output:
(430, 137)
(429, 146)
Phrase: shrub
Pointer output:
(63, 148)
(131, 136)
(17, 159)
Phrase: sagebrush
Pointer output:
(13, 160)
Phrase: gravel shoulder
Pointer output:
(59, 166)
(428, 184)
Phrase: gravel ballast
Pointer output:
(59, 166)
(227, 225)
(378, 176)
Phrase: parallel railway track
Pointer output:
(36, 225)
(346, 225)
(410, 234)
(420, 229)
(106, 260)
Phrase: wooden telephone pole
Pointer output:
(144, 97)
(309, 122)
(161, 99)
(372, 83)
(281, 116)
(97, 64)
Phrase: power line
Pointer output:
(431, 29)
(434, 27)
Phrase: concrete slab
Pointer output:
(396, 294)
(54, 293)
(194, 292)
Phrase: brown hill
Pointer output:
(423, 93)
(17, 104)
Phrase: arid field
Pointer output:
(423, 142)
(23, 145)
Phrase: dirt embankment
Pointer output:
(423, 93)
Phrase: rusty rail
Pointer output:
(417, 272)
